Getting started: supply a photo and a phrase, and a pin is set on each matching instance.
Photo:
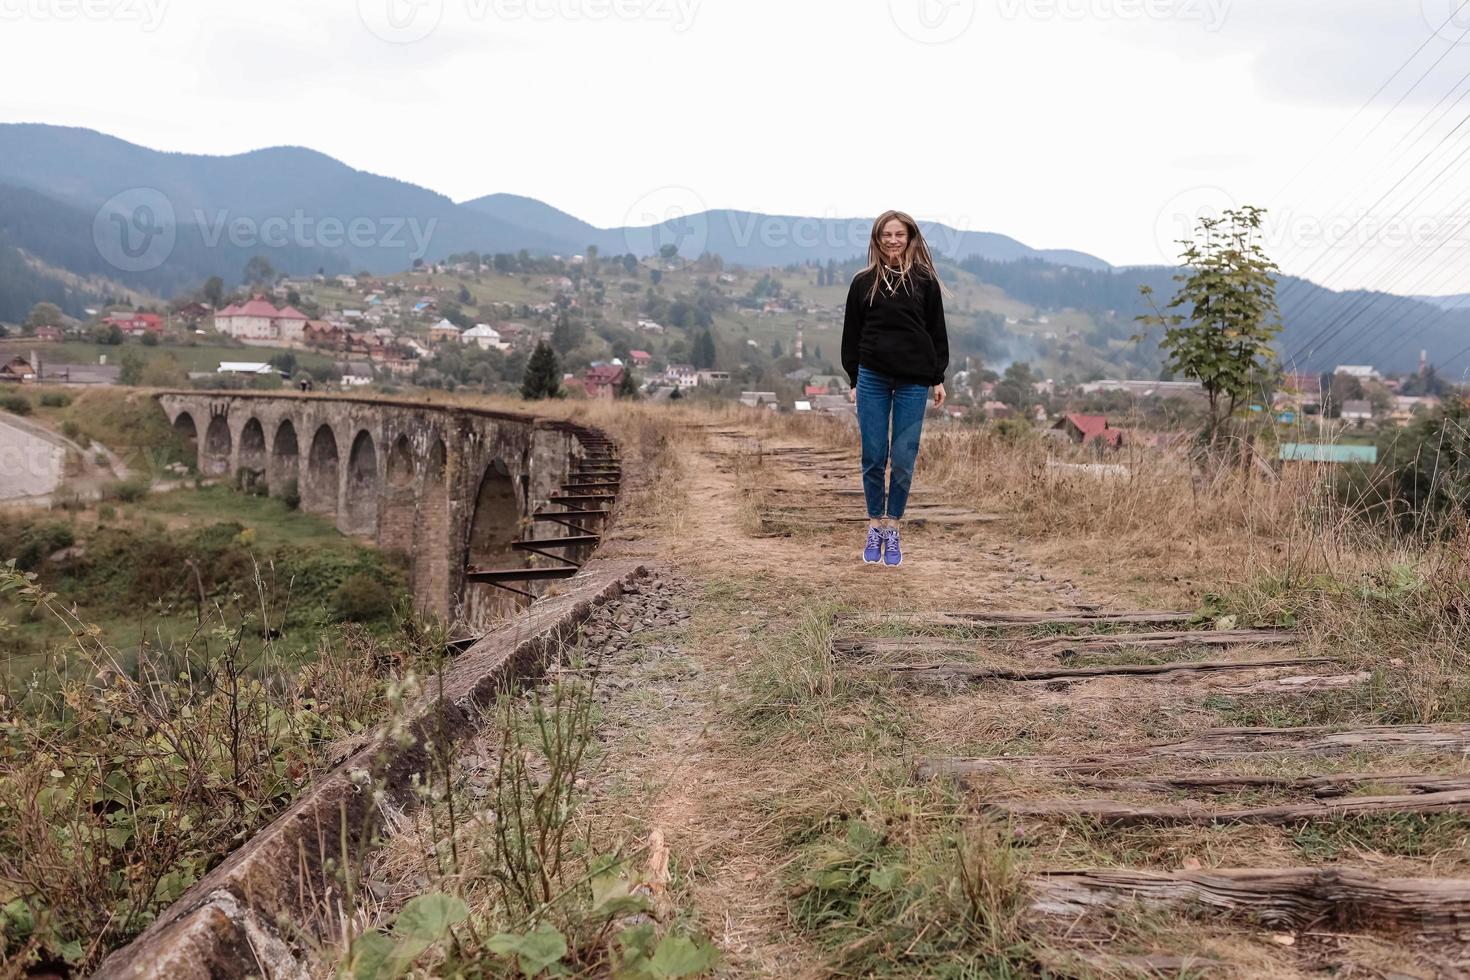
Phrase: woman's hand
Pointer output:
(852, 395)
(938, 395)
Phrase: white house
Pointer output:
(682, 375)
(1363, 372)
(650, 326)
(485, 336)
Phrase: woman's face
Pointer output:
(893, 238)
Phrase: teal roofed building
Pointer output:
(1306, 452)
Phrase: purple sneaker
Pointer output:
(892, 553)
(873, 551)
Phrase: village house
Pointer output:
(1357, 410)
(484, 336)
(758, 399)
(602, 380)
(17, 370)
(650, 326)
(1087, 429)
(640, 358)
(258, 322)
(320, 333)
(1404, 406)
(48, 333)
(997, 411)
(192, 313)
(134, 324)
(713, 377)
(353, 374)
(681, 375)
(443, 332)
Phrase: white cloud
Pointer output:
(1076, 125)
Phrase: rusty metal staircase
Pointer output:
(582, 506)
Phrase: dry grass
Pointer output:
(782, 779)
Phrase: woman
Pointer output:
(894, 348)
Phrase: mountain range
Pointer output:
(84, 215)
(67, 191)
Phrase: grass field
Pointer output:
(204, 356)
(290, 551)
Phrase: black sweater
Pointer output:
(901, 335)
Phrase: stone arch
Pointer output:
(285, 459)
(323, 473)
(431, 553)
(216, 457)
(493, 526)
(362, 486)
(186, 433)
(396, 527)
(251, 465)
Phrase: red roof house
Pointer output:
(1085, 429)
(640, 358)
(135, 323)
(603, 380)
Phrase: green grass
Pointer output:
(203, 356)
(273, 523)
(133, 579)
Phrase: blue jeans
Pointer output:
(883, 401)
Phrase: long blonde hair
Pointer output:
(916, 253)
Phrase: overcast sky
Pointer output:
(1101, 125)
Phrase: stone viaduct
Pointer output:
(449, 486)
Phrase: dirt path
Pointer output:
(737, 737)
(694, 768)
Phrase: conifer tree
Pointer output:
(543, 374)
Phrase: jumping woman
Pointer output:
(894, 349)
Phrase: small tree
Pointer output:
(627, 385)
(44, 315)
(214, 291)
(543, 374)
(703, 355)
(1228, 298)
(259, 271)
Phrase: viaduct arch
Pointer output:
(446, 485)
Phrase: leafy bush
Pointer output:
(362, 598)
(128, 491)
(55, 399)
(71, 430)
(30, 543)
(16, 404)
(116, 797)
(291, 494)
